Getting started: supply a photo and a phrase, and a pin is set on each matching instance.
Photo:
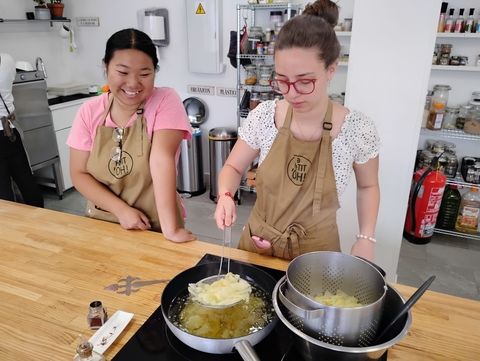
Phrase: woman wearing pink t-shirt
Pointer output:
(125, 143)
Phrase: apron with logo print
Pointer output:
(297, 200)
(129, 178)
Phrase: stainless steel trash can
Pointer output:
(220, 143)
(190, 167)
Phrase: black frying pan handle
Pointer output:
(379, 269)
(411, 301)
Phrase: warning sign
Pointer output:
(200, 9)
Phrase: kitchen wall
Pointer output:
(26, 41)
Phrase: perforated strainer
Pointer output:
(312, 274)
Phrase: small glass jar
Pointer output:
(444, 60)
(347, 24)
(455, 60)
(85, 352)
(254, 100)
(450, 119)
(97, 315)
(445, 49)
(425, 159)
(250, 74)
(462, 115)
(265, 74)
(463, 60)
(260, 48)
(438, 147)
(264, 96)
(255, 36)
(451, 166)
(268, 35)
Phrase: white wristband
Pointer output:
(371, 239)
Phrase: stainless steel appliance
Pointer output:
(36, 125)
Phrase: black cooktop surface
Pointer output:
(154, 341)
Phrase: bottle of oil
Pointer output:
(447, 216)
(469, 212)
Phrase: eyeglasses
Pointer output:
(117, 136)
(301, 86)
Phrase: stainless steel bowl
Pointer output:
(312, 348)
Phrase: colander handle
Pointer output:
(296, 310)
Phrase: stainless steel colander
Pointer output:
(314, 273)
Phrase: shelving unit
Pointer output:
(463, 79)
(251, 9)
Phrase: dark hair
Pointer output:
(130, 39)
(313, 29)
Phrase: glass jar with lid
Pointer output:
(451, 165)
(254, 100)
(425, 159)
(437, 109)
(255, 36)
(450, 119)
(250, 74)
(265, 74)
(462, 115)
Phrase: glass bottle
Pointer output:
(85, 352)
(254, 100)
(460, 22)
(450, 22)
(470, 23)
(441, 19)
(469, 212)
(447, 216)
(437, 109)
(97, 315)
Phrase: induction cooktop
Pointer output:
(155, 342)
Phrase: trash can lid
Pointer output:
(222, 134)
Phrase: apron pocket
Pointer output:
(251, 246)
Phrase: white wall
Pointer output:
(387, 79)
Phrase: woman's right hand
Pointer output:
(226, 211)
(132, 218)
(180, 235)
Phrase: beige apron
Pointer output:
(129, 178)
(296, 196)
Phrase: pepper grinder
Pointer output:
(97, 315)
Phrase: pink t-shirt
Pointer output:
(163, 110)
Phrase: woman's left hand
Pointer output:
(180, 235)
(363, 248)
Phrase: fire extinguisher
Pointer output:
(424, 203)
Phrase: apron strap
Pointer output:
(325, 152)
(288, 118)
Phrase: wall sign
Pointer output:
(201, 89)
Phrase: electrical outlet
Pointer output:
(88, 21)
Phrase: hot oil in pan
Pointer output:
(236, 321)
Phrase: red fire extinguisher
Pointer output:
(424, 203)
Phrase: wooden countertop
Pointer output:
(52, 265)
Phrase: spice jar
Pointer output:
(254, 100)
(437, 109)
(265, 74)
(250, 74)
(97, 315)
(85, 352)
(450, 119)
(455, 60)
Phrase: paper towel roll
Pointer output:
(154, 26)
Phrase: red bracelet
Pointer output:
(228, 194)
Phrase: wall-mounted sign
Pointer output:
(201, 89)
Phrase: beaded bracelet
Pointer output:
(371, 239)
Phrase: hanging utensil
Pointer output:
(411, 301)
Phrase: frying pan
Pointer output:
(177, 287)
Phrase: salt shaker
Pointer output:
(97, 315)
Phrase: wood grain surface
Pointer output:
(52, 265)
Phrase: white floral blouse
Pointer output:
(358, 140)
